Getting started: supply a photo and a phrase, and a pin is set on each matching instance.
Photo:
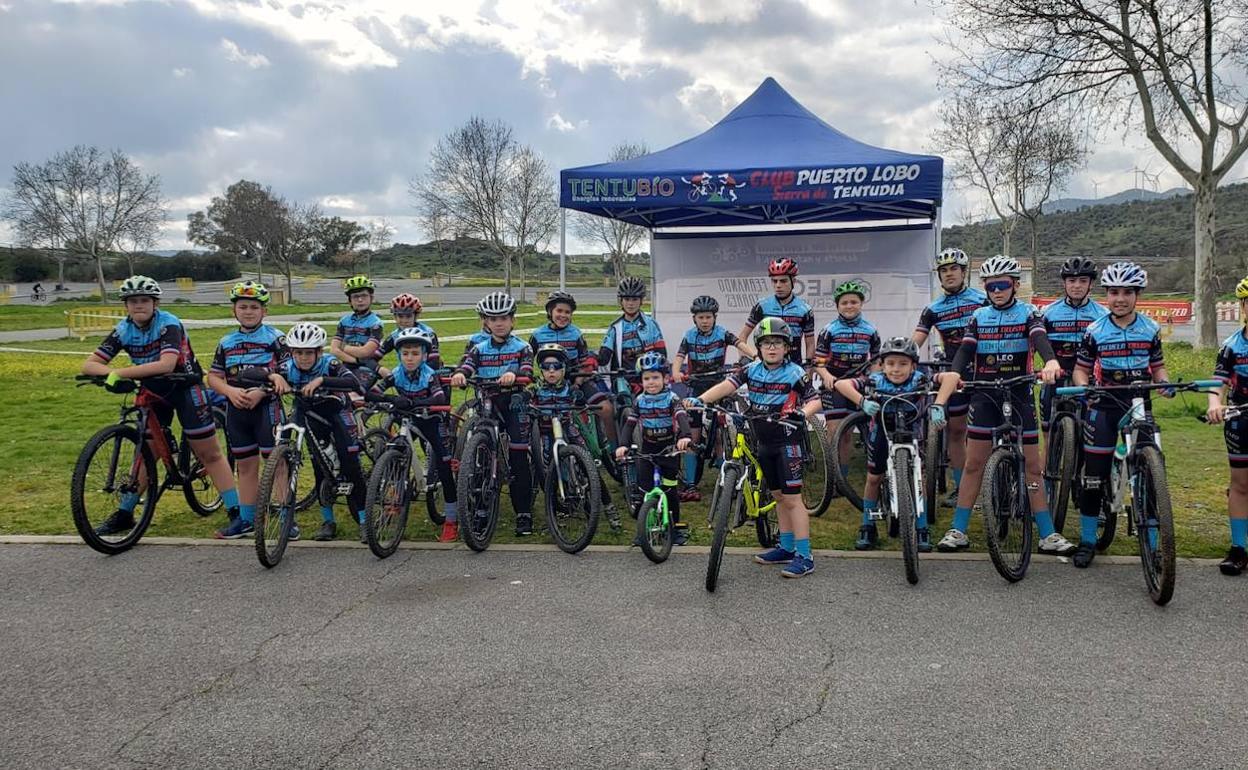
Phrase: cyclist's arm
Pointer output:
(339, 351)
(1085, 359)
(848, 387)
(948, 386)
(1160, 374)
(678, 364)
(166, 364)
(755, 317)
(923, 329)
(966, 352)
(716, 392)
(358, 352)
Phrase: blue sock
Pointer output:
(248, 512)
(360, 517)
(1239, 532)
(922, 522)
(957, 478)
(802, 547)
(450, 512)
(1044, 522)
(129, 501)
(229, 498)
(327, 512)
(867, 507)
(961, 518)
(691, 467)
(1087, 529)
(786, 541)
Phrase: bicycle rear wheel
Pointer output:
(113, 463)
(1154, 526)
(387, 503)
(655, 535)
(1059, 468)
(934, 474)
(725, 503)
(1107, 523)
(426, 464)
(907, 514)
(817, 470)
(1007, 515)
(628, 473)
(479, 491)
(197, 487)
(850, 465)
(573, 515)
(276, 501)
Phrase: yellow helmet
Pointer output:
(1241, 289)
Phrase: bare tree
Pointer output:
(1016, 157)
(617, 237)
(379, 236)
(85, 198)
(437, 226)
(530, 210)
(1176, 68)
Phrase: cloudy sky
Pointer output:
(340, 101)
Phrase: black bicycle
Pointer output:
(483, 465)
(1063, 461)
(935, 456)
(571, 487)
(625, 404)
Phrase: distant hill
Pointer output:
(1126, 196)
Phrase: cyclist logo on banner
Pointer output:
(715, 188)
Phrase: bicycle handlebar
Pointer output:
(1080, 390)
(1021, 379)
(1233, 411)
(634, 452)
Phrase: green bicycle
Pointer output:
(656, 532)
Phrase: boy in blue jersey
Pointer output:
(1232, 369)
(406, 309)
(705, 348)
(504, 357)
(157, 345)
(786, 306)
(777, 386)
(899, 374)
(357, 340)
(415, 380)
(999, 343)
(560, 330)
(949, 315)
(660, 423)
(628, 337)
(251, 414)
(1065, 321)
(1119, 349)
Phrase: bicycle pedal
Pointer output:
(344, 488)
(876, 515)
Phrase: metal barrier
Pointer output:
(85, 322)
(185, 284)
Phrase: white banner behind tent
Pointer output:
(894, 265)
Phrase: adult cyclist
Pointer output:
(1065, 321)
(785, 305)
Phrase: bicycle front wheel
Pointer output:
(1154, 524)
(386, 506)
(655, 530)
(817, 470)
(115, 465)
(1007, 515)
(849, 456)
(573, 514)
(479, 491)
(1059, 468)
(907, 514)
(424, 462)
(725, 502)
(767, 525)
(934, 473)
(276, 503)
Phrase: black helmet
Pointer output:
(1078, 266)
(899, 346)
(704, 304)
(631, 287)
(560, 296)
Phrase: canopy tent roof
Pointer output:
(769, 161)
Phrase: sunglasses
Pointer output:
(551, 366)
(999, 285)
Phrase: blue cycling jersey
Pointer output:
(434, 357)
(883, 388)
(773, 390)
(325, 366)
(794, 311)
(570, 338)
(845, 344)
(491, 359)
(146, 344)
(421, 386)
(659, 416)
(950, 314)
(359, 328)
(997, 342)
(706, 353)
(1066, 323)
(1118, 356)
(262, 347)
(1232, 366)
(626, 340)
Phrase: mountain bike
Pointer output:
(1063, 461)
(571, 486)
(847, 450)
(935, 456)
(406, 470)
(483, 465)
(656, 532)
(1138, 468)
(279, 492)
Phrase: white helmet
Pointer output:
(306, 334)
(496, 304)
(1125, 275)
(138, 286)
(952, 257)
(416, 335)
(1000, 265)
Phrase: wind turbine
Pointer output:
(1096, 188)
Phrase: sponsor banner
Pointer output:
(1160, 310)
(893, 265)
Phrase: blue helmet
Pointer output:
(652, 362)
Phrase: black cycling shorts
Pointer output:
(192, 405)
(985, 414)
(782, 468)
(1236, 433)
(251, 431)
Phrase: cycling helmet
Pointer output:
(138, 286)
(1078, 266)
(551, 350)
(1241, 289)
(772, 327)
(704, 304)
(782, 266)
(849, 287)
(952, 257)
(652, 362)
(900, 346)
(1124, 274)
(358, 283)
(998, 266)
(560, 296)
(406, 302)
(413, 336)
(250, 290)
(306, 334)
(631, 287)
(496, 304)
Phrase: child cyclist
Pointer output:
(157, 345)
(999, 343)
(415, 380)
(899, 374)
(705, 348)
(559, 330)
(1119, 349)
(1065, 321)
(777, 386)
(251, 414)
(306, 371)
(1232, 369)
(406, 309)
(634, 333)
(357, 340)
(659, 423)
(788, 307)
(504, 357)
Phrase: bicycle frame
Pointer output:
(750, 481)
(903, 439)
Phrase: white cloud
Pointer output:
(713, 11)
(236, 54)
(181, 72)
(563, 126)
(339, 202)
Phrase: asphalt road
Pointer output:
(194, 656)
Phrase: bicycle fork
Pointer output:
(916, 482)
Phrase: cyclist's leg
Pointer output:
(1236, 434)
(1051, 541)
(1100, 434)
(786, 476)
(243, 436)
(434, 431)
(955, 435)
(347, 443)
(520, 487)
(195, 414)
(983, 416)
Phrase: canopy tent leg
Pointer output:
(563, 249)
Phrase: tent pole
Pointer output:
(563, 250)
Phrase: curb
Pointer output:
(688, 550)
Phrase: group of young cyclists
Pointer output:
(987, 335)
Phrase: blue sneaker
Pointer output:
(237, 528)
(868, 538)
(801, 566)
(295, 534)
(776, 555)
(925, 541)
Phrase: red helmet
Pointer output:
(782, 266)
(405, 301)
